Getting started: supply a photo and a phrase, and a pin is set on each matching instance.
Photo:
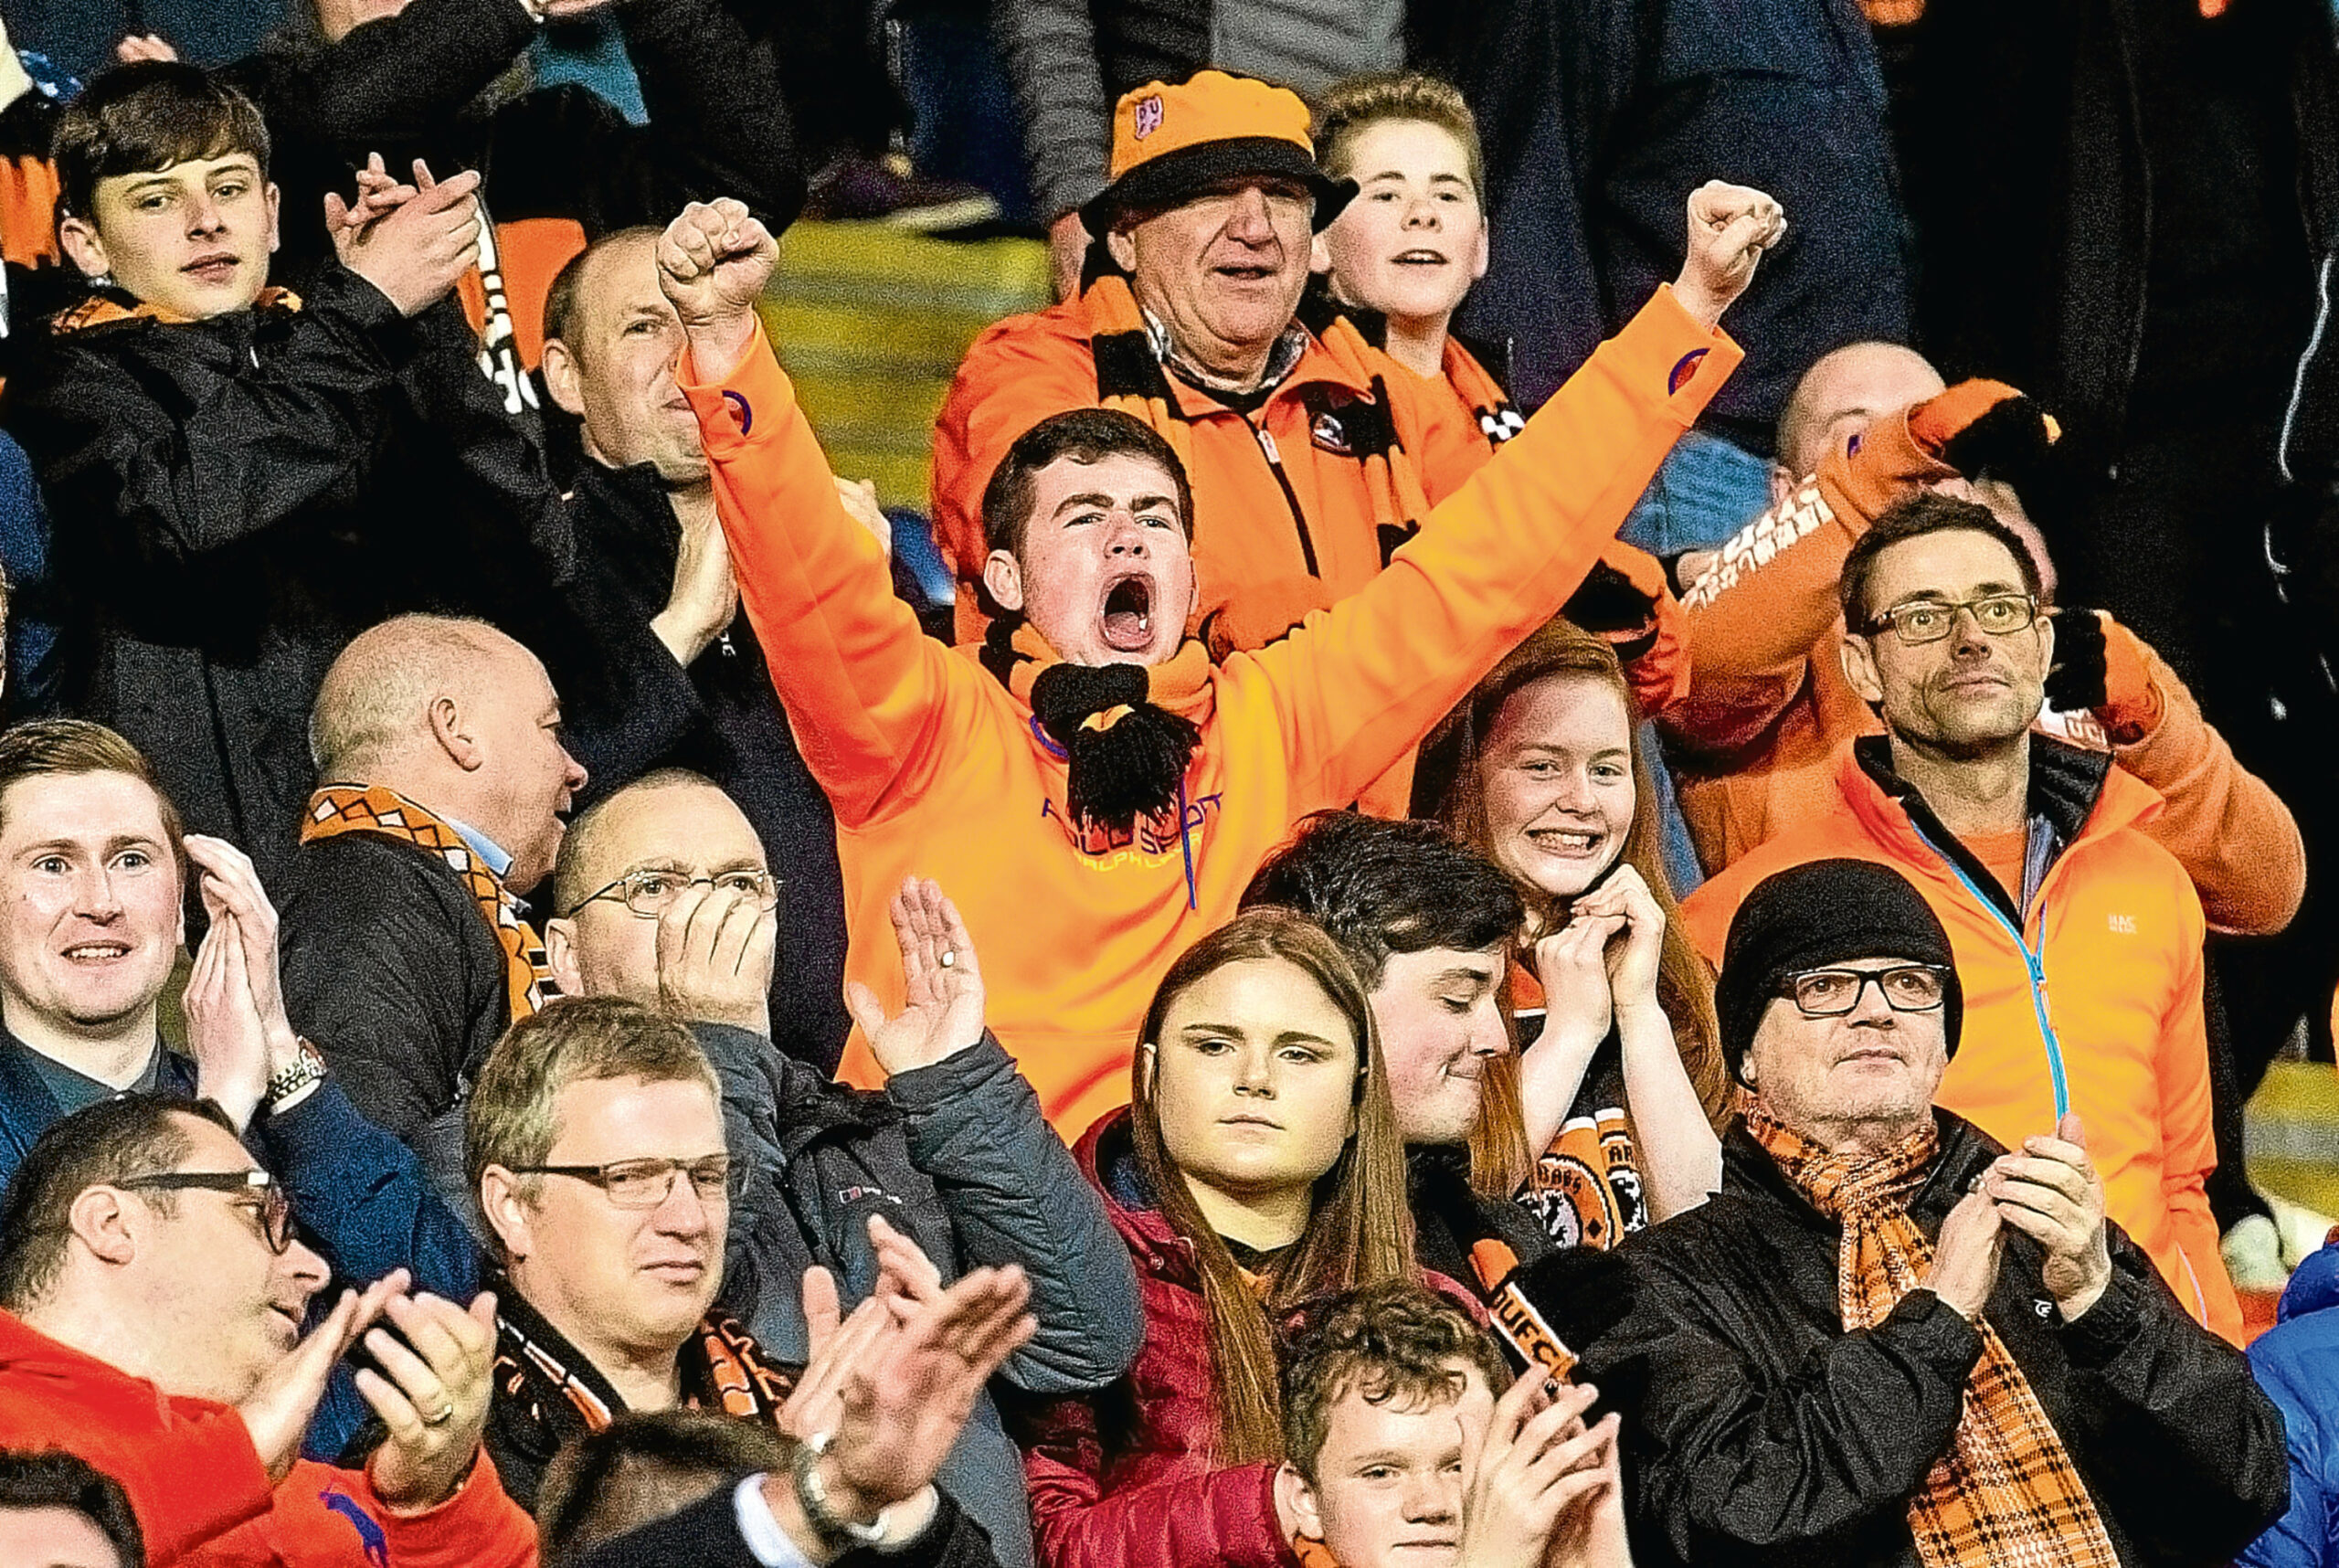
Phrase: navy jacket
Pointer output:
(2297, 1363)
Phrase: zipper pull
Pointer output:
(1267, 444)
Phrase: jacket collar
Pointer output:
(27, 1108)
(2075, 795)
(1107, 1157)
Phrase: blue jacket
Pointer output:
(2297, 1363)
(358, 1193)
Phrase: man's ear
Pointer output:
(1122, 248)
(1858, 655)
(275, 205)
(506, 1212)
(77, 237)
(1004, 576)
(1320, 254)
(1484, 251)
(561, 378)
(101, 1220)
(560, 956)
(1296, 1502)
(451, 727)
(1783, 484)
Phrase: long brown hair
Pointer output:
(1449, 787)
(1360, 1229)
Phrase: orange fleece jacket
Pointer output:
(1768, 707)
(2115, 1000)
(201, 1496)
(934, 769)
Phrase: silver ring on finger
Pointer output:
(948, 958)
(440, 1417)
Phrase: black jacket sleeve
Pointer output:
(378, 973)
(389, 79)
(177, 453)
(706, 1535)
(1727, 1468)
(1014, 1195)
(2192, 1452)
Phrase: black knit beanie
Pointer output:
(1811, 915)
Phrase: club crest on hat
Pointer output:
(1148, 117)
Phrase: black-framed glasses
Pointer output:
(275, 1208)
(1831, 993)
(1931, 619)
(648, 1184)
(649, 893)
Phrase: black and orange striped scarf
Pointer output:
(381, 813)
(2006, 1494)
(546, 1384)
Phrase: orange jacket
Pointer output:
(202, 1497)
(2102, 991)
(1767, 707)
(934, 769)
(1282, 512)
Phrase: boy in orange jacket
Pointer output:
(1091, 790)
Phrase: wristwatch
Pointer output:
(293, 1082)
(836, 1531)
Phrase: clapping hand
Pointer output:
(237, 1028)
(942, 1012)
(1538, 1468)
(1729, 228)
(2051, 1192)
(414, 242)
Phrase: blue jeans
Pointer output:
(1708, 490)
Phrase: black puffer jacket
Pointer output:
(1758, 1431)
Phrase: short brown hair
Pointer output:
(561, 301)
(1913, 517)
(1395, 1342)
(643, 1468)
(513, 1117)
(1353, 106)
(102, 1145)
(140, 118)
(572, 866)
(39, 747)
(1085, 436)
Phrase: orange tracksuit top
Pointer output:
(2102, 989)
(934, 769)
(1283, 511)
(1752, 744)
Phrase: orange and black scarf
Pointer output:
(1127, 732)
(2006, 1494)
(1488, 404)
(105, 309)
(380, 814)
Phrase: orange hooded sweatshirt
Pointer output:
(1752, 744)
(2087, 990)
(934, 768)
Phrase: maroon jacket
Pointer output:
(1123, 1479)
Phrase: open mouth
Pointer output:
(97, 952)
(1419, 258)
(1246, 271)
(1572, 842)
(210, 268)
(1128, 615)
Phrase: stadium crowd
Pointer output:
(1666, 679)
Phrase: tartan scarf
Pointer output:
(2006, 1494)
(1129, 377)
(382, 813)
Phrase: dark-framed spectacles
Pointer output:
(1831, 993)
(275, 1208)
(648, 1184)
(649, 893)
(1931, 619)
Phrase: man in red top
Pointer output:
(154, 1294)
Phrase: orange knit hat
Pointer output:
(1172, 142)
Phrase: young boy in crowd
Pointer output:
(1398, 1451)
(241, 479)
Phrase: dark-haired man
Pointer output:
(2079, 938)
(241, 480)
(2005, 1376)
(1095, 786)
(154, 1289)
(1428, 926)
(57, 1512)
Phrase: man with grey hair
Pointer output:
(444, 787)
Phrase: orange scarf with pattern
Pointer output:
(381, 813)
(2006, 1494)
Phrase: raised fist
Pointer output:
(713, 263)
(1729, 228)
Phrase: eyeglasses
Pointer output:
(275, 1209)
(1831, 993)
(648, 1184)
(1929, 620)
(649, 893)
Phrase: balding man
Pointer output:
(446, 785)
(684, 683)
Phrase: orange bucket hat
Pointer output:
(1169, 143)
